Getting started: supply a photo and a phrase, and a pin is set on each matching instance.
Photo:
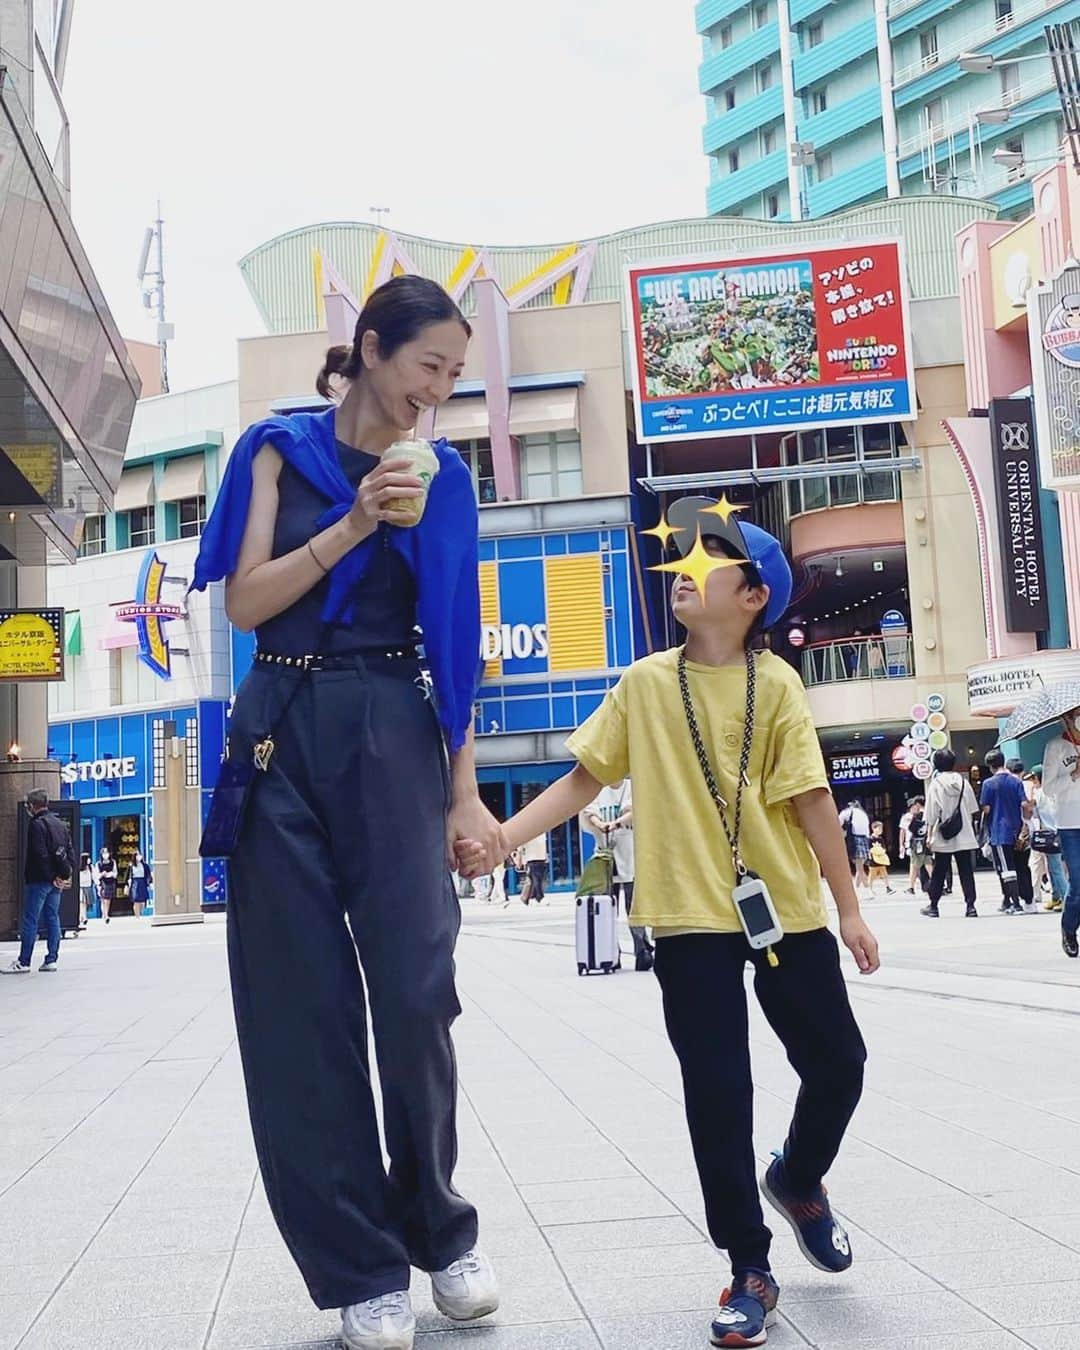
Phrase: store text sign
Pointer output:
(1016, 487)
(771, 341)
(98, 770)
(855, 768)
(996, 687)
(507, 641)
(1054, 336)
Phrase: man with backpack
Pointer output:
(856, 826)
(49, 869)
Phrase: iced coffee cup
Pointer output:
(423, 464)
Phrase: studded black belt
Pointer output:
(337, 660)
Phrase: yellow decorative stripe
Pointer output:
(489, 608)
(552, 263)
(463, 264)
(320, 285)
(561, 294)
(376, 259)
(577, 632)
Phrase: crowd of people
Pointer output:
(1025, 822)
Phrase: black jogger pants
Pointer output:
(341, 865)
(806, 1004)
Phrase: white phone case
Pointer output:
(753, 889)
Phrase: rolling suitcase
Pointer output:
(596, 918)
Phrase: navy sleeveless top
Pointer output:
(385, 596)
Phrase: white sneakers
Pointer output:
(16, 968)
(466, 1289)
(383, 1323)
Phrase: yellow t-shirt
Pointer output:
(685, 874)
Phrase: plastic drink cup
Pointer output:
(423, 464)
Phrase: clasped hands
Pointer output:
(476, 844)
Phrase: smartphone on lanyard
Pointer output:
(757, 913)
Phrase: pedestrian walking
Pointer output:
(704, 886)
(1006, 809)
(611, 819)
(1047, 867)
(140, 879)
(86, 889)
(856, 826)
(1061, 783)
(105, 881)
(880, 862)
(535, 857)
(951, 809)
(337, 539)
(49, 869)
(913, 844)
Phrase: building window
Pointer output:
(1015, 172)
(93, 540)
(768, 141)
(1010, 85)
(819, 102)
(772, 206)
(872, 445)
(191, 752)
(725, 37)
(815, 34)
(1004, 11)
(190, 517)
(928, 48)
(761, 16)
(733, 161)
(551, 465)
(729, 97)
(157, 752)
(764, 78)
(135, 529)
(477, 455)
(933, 117)
(823, 163)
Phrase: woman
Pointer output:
(947, 791)
(343, 848)
(140, 879)
(105, 879)
(86, 889)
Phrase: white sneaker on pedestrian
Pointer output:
(47, 965)
(467, 1288)
(383, 1323)
(16, 968)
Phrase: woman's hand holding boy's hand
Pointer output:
(475, 842)
(861, 943)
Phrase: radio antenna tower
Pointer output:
(153, 284)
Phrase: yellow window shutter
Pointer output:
(577, 632)
(489, 608)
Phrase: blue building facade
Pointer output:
(877, 106)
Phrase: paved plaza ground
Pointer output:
(132, 1218)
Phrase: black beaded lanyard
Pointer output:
(741, 870)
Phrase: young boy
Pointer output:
(784, 826)
(880, 861)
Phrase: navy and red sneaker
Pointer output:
(821, 1237)
(747, 1310)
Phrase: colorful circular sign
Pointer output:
(935, 703)
(921, 749)
(796, 637)
(939, 740)
(923, 769)
(920, 732)
(937, 721)
(901, 758)
(920, 712)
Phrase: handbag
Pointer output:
(1045, 841)
(951, 825)
(232, 793)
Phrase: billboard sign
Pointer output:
(31, 644)
(1016, 487)
(773, 341)
(1054, 335)
(847, 769)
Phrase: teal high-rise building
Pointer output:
(815, 105)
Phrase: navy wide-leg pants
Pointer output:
(341, 868)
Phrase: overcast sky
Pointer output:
(484, 121)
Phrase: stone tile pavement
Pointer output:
(131, 1216)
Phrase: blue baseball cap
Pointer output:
(761, 549)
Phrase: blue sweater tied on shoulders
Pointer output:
(441, 551)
